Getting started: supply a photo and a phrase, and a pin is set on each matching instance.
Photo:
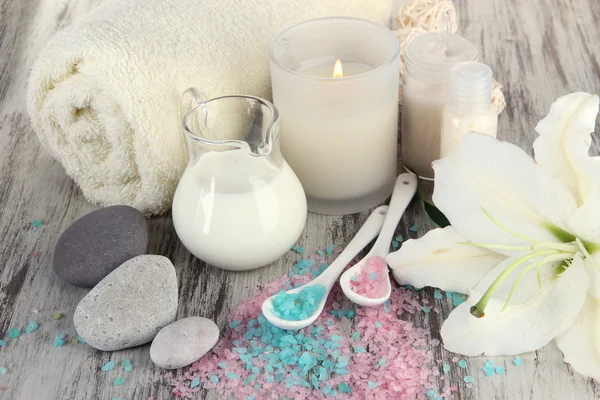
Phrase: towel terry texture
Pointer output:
(103, 95)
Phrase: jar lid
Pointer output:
(440, 51)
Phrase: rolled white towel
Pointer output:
(103, 95)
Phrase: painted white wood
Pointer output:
(539, 50)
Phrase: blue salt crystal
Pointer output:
(489, 370)
(232, 375)
(517, 361)
(462, 363)
(342, 362)
(223, 364)
(3, 371)
(381, 362)
(321, 253)
(234, 323)
(469, 379)
(359, 349)
(446, 368)
(395, 244)
(31, 326)
(2, 343)
(314, 381)
(326, 389)
(214, 378)
(377, 324)
(195, 382)
(355, 335)
(500, 370)
(373, 276)
(437, 294)
(426, 309)
(431, 393)
(372, 385)
(400, 238)
(108, 366)
(329, 249)
(413, 228)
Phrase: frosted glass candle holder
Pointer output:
(338, 120)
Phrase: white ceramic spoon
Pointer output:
(363, 237)
(404, 190)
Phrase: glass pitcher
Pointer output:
(238, 205)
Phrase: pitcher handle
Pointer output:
(191, 98)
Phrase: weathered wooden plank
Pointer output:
(538, 49)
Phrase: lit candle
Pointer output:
(335, 84)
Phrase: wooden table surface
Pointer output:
(539, 50)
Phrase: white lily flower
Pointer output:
(524, 241)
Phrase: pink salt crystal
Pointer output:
(371, 281)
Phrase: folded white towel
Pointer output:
(104, 94)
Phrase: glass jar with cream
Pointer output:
(430, 58)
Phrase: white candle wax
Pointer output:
(339, 134)
(339, 151)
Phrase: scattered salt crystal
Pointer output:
(195, 382)
(462, 363)
(500, 370)
(517, 361)
(434, 342)
(108, 366)
(3, 371)
(454, 359)
(413, 228)
(119, 381)
(469, 385)
(446, 368)
(468, 379)
(437, 294)
(14, 333)
(31, 326)
(35, 311)
(37, 223)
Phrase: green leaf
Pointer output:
(434, 213)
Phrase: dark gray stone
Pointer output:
(130, 305)
(183, 342)
(97, 243)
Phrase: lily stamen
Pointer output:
(478, 310)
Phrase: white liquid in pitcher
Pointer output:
(238, 212)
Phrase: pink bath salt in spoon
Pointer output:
(367, 283)
(371, 280)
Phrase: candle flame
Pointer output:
(338, 72)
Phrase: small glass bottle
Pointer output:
(470, 107)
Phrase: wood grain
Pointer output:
(539, 50)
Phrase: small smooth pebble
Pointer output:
(98, 243)
(130, 305)
(183, 342)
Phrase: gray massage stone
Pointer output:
(130, 305)
(183, 342)
(99, 242)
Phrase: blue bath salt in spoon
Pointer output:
(300, 307)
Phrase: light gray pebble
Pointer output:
(130, 305)
(183, 342)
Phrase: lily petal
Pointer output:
(563, 145)
(581, 343)
(483, 173)
(592, 267)
(563, 149)
(442, 259)
(531, 320)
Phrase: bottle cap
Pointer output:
(471, 88)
